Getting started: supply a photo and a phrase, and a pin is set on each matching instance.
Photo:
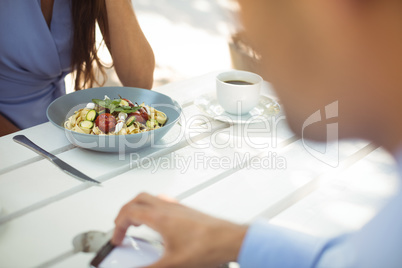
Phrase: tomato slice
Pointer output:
(138, 117)
(144, 114)
(106, 122)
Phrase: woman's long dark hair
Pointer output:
(85, 60)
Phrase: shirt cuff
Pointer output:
(266, 245)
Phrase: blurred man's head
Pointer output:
(317, 52)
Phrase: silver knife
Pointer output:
(21, 139)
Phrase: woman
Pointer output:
(44, 40)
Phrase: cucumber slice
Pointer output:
(91, 115)
(124, 103)
(152, 123)
(130, 120)
(87, 124)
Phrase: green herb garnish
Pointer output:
(114, 106)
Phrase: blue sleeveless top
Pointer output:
(33, 58)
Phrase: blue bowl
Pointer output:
(65, 106)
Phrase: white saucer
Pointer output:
(265, 109)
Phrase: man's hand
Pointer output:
(191, 238)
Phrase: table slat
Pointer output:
(345, 202)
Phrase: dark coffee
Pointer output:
(238, 82)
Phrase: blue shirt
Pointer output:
(33, 58)
(377, 244)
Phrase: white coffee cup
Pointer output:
(238, 92)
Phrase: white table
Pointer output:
(44, 208)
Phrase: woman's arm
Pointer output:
(6, 126)
(132, 55)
